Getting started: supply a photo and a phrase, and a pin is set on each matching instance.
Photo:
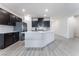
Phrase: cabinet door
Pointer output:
(34, 23)
(4, 17)
(8, 39)
(46, 23)
(16, 37)
(1, 41)
(12, 20)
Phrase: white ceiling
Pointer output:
(37, 9)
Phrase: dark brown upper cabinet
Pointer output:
(7, 18)
(4, 17)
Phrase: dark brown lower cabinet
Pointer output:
(8, 39)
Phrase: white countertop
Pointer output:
(7, 32)
(36, 31)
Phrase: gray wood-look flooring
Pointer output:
(60, 47)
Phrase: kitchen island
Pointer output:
(38, 39)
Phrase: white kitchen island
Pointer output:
(38, 39)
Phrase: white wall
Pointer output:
(52, 24)
(76, 30)
(27, 19)
(60, 27)
(71, 25)
(67, 27)
(5, 28)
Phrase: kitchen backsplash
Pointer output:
(6, 28)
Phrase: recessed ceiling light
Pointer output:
(46, 10)
(45, 15)
(23, 10)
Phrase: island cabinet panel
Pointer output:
(8, 39)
